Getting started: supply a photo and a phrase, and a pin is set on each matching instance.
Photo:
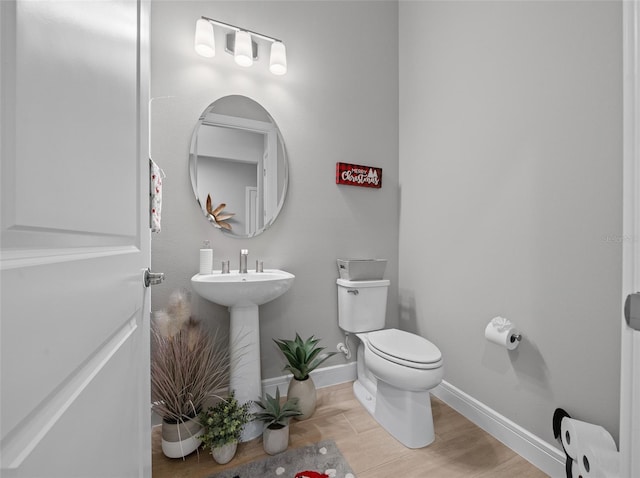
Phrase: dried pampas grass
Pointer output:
(179, 307)
(170, 321)
(187, 363)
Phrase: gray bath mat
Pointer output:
(323, 457)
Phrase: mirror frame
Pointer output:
(210, 117)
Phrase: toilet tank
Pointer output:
(362, 305)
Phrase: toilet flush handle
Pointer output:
(353, 291)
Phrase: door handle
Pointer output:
(632, 310)
(152, 278)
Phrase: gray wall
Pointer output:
(511, 180)
(509, 190)
(338, 102)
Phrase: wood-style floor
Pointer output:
(460, 449)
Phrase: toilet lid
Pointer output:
(404, 347)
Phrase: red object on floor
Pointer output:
(311, 474)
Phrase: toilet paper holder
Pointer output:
(502, 332)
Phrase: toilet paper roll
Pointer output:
(599, 461)
(558, 415)
(575, 469)
(501, 332)
(206, 261)
(577, 435)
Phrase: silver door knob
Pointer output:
(152, 278)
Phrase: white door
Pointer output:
(630, 340)
(75, 239)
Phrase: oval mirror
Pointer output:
(238, 166)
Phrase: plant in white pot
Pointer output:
(303, 356)
(222, 427)
(276, 416)
(187, 366)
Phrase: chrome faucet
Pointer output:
(244, 254)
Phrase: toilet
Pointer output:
(395, 369)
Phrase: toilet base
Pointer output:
(405, 415)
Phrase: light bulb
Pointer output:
(204, 44)
(243, 49)
(278, 61)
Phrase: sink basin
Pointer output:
(235, 289)
(243, 293)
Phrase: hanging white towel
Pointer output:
(155, 195)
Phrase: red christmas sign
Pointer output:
(356, 175)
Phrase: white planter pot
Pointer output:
(225, 453)
(305, 391)
(275, 441)
(180, 439)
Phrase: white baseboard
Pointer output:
(543, 455)
(322, 377)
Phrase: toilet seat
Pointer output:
(404, 348)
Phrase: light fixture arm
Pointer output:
(238, 29)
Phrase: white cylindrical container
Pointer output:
(206, 258)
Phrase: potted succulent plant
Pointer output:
(276, 416)
(187, 366)
(222, 427)
(303, 356)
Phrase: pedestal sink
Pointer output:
(243, 293)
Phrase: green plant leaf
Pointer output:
(302, 356)
(273, 412)
(224, 422)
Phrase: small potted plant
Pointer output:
(276, 416)
(303, 356)
(222, 426)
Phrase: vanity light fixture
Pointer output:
(205, 43)
(241, 43)
(278, 61)
(243, 52)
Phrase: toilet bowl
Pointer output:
(403, 360)
(395, 369)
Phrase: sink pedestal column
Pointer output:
(245, 377)
(243, 293)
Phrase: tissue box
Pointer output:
(361, 269)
